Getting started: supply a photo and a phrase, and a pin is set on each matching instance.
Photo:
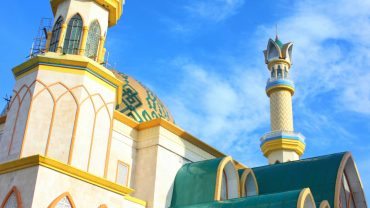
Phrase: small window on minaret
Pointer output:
(279, 72)
(93, 38)
(73, 35)
(122, 177)
(55, 35)
(286, 73)
(273, 73)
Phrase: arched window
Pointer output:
(346, 194)
(63, 201)
(12, 199)
(73, 35)
(93, 38)
(273, 73)
(55, 35)
(286, 73)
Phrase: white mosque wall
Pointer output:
(25, 182)
(10, 143)
(89, 11)
(83, 194)
(70, 119)
(160, 155)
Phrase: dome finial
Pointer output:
(276, 33)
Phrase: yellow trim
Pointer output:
(243, 180)
(306, 192)
(113, 6)
(85, 32)
(135, 200)
(47, 45)
(338, 183)
(220, 171)
(283, 144)
(101, 50)
(38, 160)
(61, 37)
(75, 61)
(275, 88)
(2, 119)
(279, 61)
(324, 204)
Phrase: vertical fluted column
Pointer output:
(62, 37)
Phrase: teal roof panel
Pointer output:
(319, 174)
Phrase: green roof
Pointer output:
(195, 183)
(319, 174)
(287, 199)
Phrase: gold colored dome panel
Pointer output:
(139, 102)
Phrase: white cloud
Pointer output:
(215, 10)
(222, 109)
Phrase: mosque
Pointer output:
(77, 134)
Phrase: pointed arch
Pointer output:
(73, 35)
(93, 39)
(63, 201)
(287, 51)
(55, 35)
(12, 198)
(227, 180)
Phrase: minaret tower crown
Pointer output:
(81, 26)
(282, 144)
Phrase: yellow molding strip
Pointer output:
(281, 144)
(74, 62)
(38, 160)
(2, 119)
(175, 130)
(135, 200)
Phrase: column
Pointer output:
(85, 32)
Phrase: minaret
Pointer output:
(64, 98)
(282, 144)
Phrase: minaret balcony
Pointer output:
(279, 83)
(282, 140)
(274, 135)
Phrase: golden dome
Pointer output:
(139, 102)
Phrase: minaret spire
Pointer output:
(282, 143)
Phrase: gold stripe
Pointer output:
(135, 200)
(283, 144)
(38, 160)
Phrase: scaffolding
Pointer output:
(39, 42)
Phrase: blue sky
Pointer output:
(204, 59)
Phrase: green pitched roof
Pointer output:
(195, 183)
(319, 174)
(287, 199)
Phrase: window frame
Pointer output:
(120, 162)
(74, 28)
(57, 29)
